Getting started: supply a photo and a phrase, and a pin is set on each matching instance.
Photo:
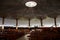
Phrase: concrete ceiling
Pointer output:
(17, 8)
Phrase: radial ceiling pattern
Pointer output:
(17, 8)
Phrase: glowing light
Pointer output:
(31, 4)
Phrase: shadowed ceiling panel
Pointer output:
(17, 8)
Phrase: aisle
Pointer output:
(24, 37)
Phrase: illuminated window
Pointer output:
(0, 22)
(23, 23)
(58, 21)
(35, 22)
(48, 22)
(10, 22)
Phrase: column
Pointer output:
(41, 22)
(29, 21)
(55, 22)
(16, 23)
(3, 23)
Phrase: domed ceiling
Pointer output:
(17, 8)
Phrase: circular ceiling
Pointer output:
(29, 8)
(31, 4)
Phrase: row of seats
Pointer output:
(11, 34)
(45, 34)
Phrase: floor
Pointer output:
(24, 37)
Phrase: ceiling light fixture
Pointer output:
(31, 4)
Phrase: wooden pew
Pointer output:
(45, 34)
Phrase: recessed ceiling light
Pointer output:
(31, 4)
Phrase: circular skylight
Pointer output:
(31, 4)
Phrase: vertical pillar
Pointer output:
(29, 22)
(3, 23)
(55, 22)
(16, 23)
(41, 22)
